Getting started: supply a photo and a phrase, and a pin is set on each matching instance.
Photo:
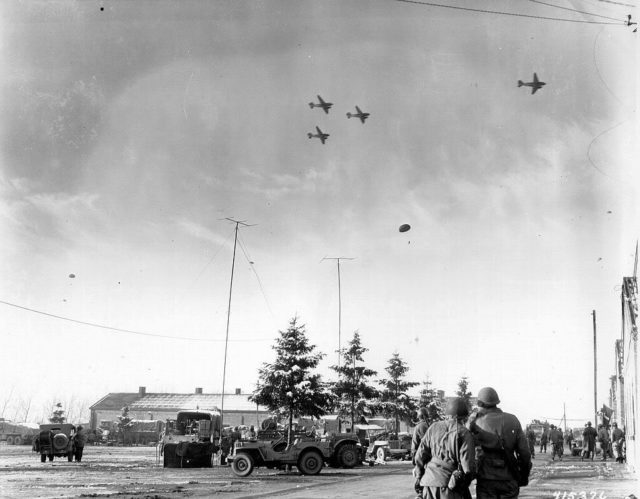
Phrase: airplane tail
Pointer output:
(520, 83)
(348, 115)
(309, 135)
(311, 105)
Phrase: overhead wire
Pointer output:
(618, 3)
(574, 10)
(121, 330)
(253, 269)
(513, 14)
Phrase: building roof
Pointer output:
(176, 402)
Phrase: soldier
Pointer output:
(603, 438)
(418, 432)
(617, 437)
(531, 438)
(555, 436)
(569, 438)
(504, 460)
(445, 461)
(543, 440)
(589, 435)
(79, 441)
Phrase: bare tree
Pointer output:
(5, 402)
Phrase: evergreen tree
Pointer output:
(57, 415)
(395, 402)
(430, 399)
(463, 391)
(124, 423)
(288, 386)
(354, 396)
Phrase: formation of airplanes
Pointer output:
(535, 84)
(325, 106)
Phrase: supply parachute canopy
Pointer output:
(404, 227)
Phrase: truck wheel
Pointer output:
(9, 440)
(43, 458)
(242, 464)
(348, 456)
(17, 440)
(310, 463)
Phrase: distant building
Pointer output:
(142, 405)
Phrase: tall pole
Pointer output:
(595, 371)
(226, 339)
(339, 303)
(564, 415)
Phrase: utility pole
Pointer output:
(595, 371)
(339, 302)
(226, 339)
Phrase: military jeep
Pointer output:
(54, 440)
(308, 453)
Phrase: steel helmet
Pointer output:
(488, 396)
(423, 414)
(457, 407)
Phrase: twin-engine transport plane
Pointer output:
(359, 114)
(322, 136)
(535, 84)
(324, 105)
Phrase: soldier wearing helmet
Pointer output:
(419, 432)
(445, 460)
(589, 436)
(504, 459)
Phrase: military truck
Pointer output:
(307, 452)
(191, 440)
(54, 440)
(387, 445)
(16, 433)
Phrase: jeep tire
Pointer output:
(242, 464)
(348, 456)
(310, 463)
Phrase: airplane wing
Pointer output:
(535, 78)
(534, 89)
(323, 137)
(321, 101)
(363, 116)
(319, 131)
(358, 109)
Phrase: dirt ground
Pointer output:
(136, 472)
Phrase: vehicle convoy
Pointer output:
(54, 440)
(307, 452)
(191, 440)
(16, 433)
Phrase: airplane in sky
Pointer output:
(535, 84)
(324, 105)
(322, 136)
(359, 114)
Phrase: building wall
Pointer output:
(231, 418)
(630, 370)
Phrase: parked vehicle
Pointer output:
(307, 452)
(191, 440)
(389, 445)
(54, 440)
(17, 433)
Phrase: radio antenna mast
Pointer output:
(337, 259)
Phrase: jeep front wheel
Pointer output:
(348, 456)
(381, 454)
(242, 464)
(310, 463)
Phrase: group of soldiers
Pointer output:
(610, 442)
(491, 448)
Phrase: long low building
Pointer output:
(238, 410)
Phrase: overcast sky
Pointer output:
(130, 130)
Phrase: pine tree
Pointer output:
(463, 391)
(395, 402)
(288, 386)
(57, 415)
(354, 396)
(430, 399)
